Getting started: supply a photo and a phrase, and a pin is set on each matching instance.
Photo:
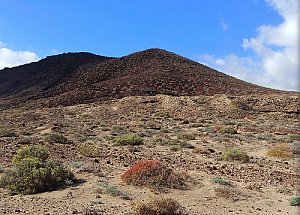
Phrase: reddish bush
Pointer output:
(218, 127)
(153, 174)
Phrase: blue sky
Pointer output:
(222, 34)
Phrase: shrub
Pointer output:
(153, 174)
(113, 190)
(219, 180)
(25, 141)
(186, 136)
(8, 133)
(90, 151)
(163, 206)
(295, 201)
(129, 139)
(228, 193)
(32, 173)
(281, 151)
(232, 154)
(57, 138)
(92, 211)
(37, 151)
(228, 130)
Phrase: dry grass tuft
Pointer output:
(163, 206)
(281, 151)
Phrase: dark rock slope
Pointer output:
(75, 78)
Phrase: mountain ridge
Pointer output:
(75, 78)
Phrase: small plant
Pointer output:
(57, 138)
(25, 141)
(175, 148)
(92, 211)
(228, 193)
(163, 206)
(228, 130)
(232, 154)
(281, 151)
(25, 133)
(200, 150)
(186, 136)
(90, 151)
(33, 173)
(79, 166)
(219, 180)
(295, 201)
(114, 191)
(153, 174)
(8, 133)
(129, 139)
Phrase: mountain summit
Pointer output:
(75, 78)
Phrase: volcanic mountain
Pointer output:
(75, 78)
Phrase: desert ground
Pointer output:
(187, 134)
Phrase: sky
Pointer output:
(253, 40)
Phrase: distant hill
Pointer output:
(75, 78)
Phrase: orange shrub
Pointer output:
(153, 174)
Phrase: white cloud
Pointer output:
(10, 58)
(224, 26)
(275, 63)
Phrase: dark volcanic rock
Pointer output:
(82, 78)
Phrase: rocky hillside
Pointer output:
(82, 78)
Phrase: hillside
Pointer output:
(76, 78)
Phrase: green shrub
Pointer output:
(32, 173)
(129, 139)
(219, 180)
(113, 191)
(57, 138)
(228, 130)
(295, 201)
(232, 154)
(38, 151)
(90, 151)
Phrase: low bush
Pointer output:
(33, 173)
(8, 133)
(228, 130)
(232, 154)
(57, 138)
(90, 151)
(163, 206)
(153, 174)
(37, 151)
(219, 180)
(186, 136)
(129, 139)
(281, 151)
(295, 201)
(112, 190)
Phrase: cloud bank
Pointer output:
(275, 62)
(10, 58)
